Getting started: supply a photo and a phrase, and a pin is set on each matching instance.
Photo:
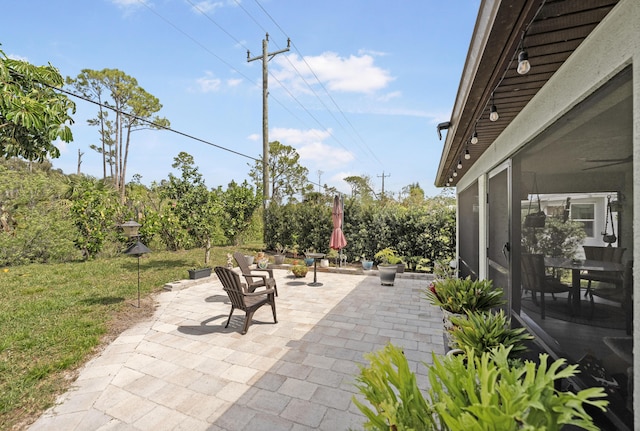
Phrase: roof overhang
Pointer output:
(550, 31)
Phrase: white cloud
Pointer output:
(208, 83)
(124, 4)
(353, 74)
(309, 144)
(254, 137)
(389, 96)
(17, 57)
(207, 6)
(234, 82)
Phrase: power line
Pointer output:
(151, 123)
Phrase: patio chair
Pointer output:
(620, 292)
(248, 302)
(607, 254)
(255, 280)
(535, 280)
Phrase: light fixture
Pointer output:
(493, 115)
(450, 179)
(523, 63)
(455, 174)
(459, 164)
(467, 155)
(474, 137)
(447, 184)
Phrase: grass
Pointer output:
(54, 317)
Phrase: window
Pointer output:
(584, 213)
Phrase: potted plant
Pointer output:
(280, 254)
(198, 270)
(309, 260)
(457, 297)
(477, 391)
(299, 270)
(387, 259)
(483, 331)
(366, 263)
(262, 261)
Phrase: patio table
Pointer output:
(577, 265)
(315, 257)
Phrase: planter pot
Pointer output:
(263, 263)
(367, 265)
(387, 274)
(279, 259)
(308, 261)
(249, 259)
(400, 268)
(324, 263)
(448, 326)
(195, 274)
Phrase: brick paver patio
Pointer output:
(182, 370)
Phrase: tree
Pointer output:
(197, 208)
(414, 195)
(133, 108)
(32, 113)
(239, 202)
(360, 186)
(288, 177)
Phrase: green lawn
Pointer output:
(53, 318)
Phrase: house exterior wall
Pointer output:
(612, 46)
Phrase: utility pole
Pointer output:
(265, 57)
(319, 176)
(383, 176)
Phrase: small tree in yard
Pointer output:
(239, 202)
(197, 208)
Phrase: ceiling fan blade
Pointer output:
(624, 160)
(606, 165)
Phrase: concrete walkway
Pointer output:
(182, 370)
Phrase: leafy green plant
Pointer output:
(391, 388)
(473, 392)
(387, 256)
(464, 295)
(483, 331)
(299, 270)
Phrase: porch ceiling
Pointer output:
(552, 30)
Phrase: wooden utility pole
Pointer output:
(383, 176)
(265, 57)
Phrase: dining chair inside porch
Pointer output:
(535, 280)
(620, 293)
(605, 254)
(243, 300)
(253, 277)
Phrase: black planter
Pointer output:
(194, 274)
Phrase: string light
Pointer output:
(455, 173)
(523, 63)
(493, 115)
(474, 137)
(467, 154)
(459, 164)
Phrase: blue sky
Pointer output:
(360, 92)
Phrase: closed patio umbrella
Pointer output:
(338, 241)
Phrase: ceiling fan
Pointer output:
(607, 162)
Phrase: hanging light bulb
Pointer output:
(455, 174)
(447, 185)
(493, 113)
(523, 63)
(450, 179)
(474, 138)
(459, 164)
(493, 116)
(467, 155)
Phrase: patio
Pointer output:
(183, 370)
